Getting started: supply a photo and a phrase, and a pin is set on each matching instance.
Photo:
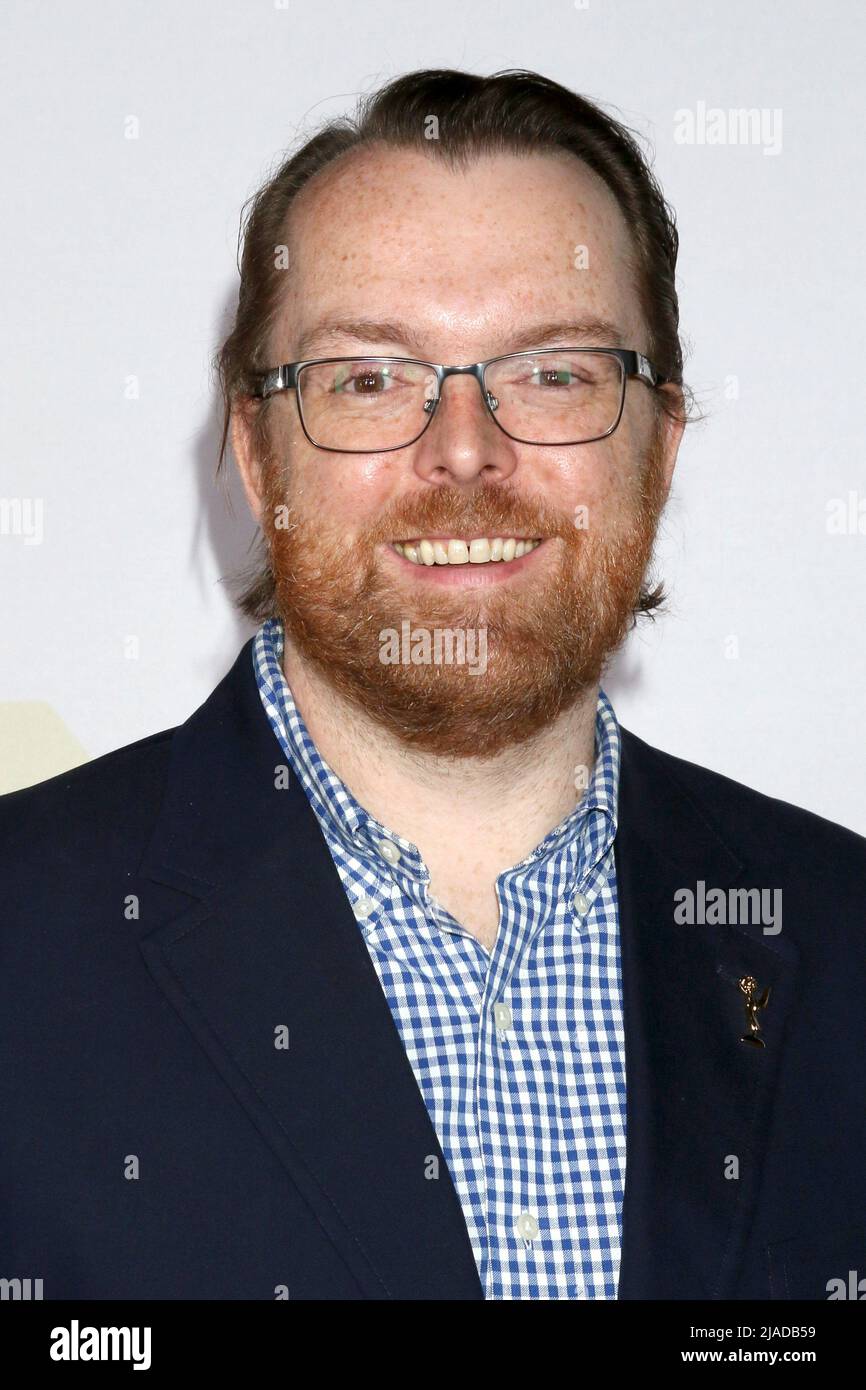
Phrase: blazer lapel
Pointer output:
(270, 943)
(698, 1099)
(256, 935)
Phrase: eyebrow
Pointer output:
(562, 332)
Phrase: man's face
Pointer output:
(468, 261)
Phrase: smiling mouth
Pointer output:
(453, 551)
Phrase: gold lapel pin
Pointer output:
(754, 1002)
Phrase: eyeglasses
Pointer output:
(371, 405)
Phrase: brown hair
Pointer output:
(510, 111)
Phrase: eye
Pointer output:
(362, 379)
(560, 375)
(374, 378)
(554, 376)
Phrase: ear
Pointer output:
(244, 449)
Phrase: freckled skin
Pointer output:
(472, 769)
(384, 225)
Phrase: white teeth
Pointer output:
(456, 552)
(479, 552)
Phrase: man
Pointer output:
(401, 970)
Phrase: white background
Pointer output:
(118, 260)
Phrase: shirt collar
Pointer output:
(594, 819)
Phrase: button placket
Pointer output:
(501, 1018)
(526, 1227)
(389, 852)
(363, 907)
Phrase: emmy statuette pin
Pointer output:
(749, 986)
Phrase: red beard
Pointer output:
(547, 635)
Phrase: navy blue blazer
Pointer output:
(168, 906)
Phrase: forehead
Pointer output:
(462, 255)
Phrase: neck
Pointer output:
(484, 814)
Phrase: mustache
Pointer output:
(489, 511)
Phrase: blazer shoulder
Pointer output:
(115, 792)
(742, 815)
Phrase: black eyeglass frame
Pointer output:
(285, 378)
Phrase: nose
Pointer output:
(462, 441)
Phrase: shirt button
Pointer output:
(501, 1017)
(389, 851)
(526, 1226)
(581, 904)
(364, 906)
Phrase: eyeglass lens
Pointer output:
(548, 397)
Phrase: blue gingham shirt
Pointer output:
(518, 1051)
